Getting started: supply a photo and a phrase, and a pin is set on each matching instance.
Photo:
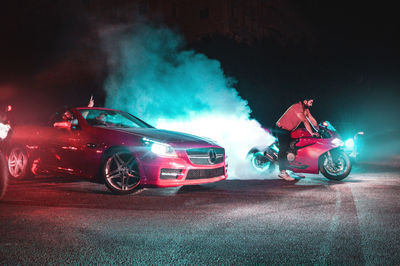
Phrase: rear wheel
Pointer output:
(121, 173)
(335, 165)
(260, 162)
(18, 164)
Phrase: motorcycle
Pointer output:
(307, 154)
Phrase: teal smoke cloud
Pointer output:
(154, 77)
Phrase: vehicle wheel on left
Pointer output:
(3, 175)
(121, 172)
(18, 163)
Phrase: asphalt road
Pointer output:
(312, 221)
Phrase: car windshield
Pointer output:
(112, 118)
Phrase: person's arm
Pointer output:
(91, 101)
(90, 104)
(311, 119)
(307, 124)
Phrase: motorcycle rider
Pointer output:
(289, 121)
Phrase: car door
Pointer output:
(75, 152)
(43, 156)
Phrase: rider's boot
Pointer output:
(284, 175)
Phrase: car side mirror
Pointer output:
(63, 125)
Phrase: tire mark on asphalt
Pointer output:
(325, 248)
(343, 240)
(379, 238)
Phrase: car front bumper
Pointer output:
(180, 171)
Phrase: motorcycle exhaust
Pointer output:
(269, 157)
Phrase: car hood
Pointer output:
(166, 136)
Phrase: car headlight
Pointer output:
(159, 148)
(4, 128)
(337, 142)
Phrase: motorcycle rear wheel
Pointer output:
(261, 163)
(337, 166)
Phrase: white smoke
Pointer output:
(153, 77)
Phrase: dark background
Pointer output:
(348, 60)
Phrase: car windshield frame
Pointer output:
(111, 118)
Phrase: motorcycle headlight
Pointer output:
(159, 148)
(337, 142)
(349, 144)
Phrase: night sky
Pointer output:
(50, 58)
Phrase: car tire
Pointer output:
(3, 175)
(18, 163)
(121, 172)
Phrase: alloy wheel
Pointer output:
(121, 172)
(17, 163)
(335, 165)
(260, 162)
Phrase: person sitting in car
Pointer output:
(68, 117)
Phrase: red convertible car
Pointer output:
(115, 148)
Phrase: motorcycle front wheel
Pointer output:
(335, 165)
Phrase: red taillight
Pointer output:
(325, 124)
(9, 108)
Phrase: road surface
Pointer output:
(312, 221)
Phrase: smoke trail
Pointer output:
(153, 77)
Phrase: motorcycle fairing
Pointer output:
(305, 142)
(309, 157)
(300, 133)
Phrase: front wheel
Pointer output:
(335, 165)
(121, 173)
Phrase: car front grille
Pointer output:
(206, 156)
(205, 173)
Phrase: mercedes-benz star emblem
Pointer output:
(212, 156)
